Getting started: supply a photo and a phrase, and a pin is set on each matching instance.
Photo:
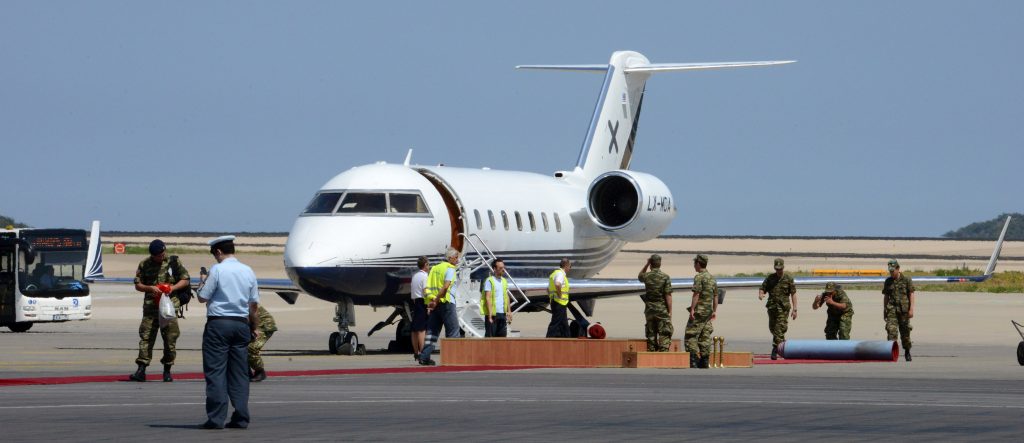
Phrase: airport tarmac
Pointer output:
(963, 384)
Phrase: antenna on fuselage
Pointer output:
(408, 158)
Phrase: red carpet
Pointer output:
(199, 375)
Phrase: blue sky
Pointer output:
(900, 118)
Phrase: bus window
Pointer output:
(363, 203)
(479, 223)
(323, 203)
(533, 222)
(544, 220)
(406, 204)
(490, 216)
(519, 221)
(558, 223)
(504, 219)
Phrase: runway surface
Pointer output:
(533, 405)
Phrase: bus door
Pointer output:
(8, 268)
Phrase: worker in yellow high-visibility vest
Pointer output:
(440, 309)
(558, 294)
(494, 305)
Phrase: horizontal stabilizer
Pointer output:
(668, 67)
(595, 68)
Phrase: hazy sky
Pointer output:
(900, 118)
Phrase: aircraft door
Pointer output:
(453, 206)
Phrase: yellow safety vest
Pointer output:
(435, 282)
(563, 297)
(490, 307)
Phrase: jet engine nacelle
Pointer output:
(629, 205)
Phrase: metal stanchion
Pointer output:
(717, 352)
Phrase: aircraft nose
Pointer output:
(305, 247)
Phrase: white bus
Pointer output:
(44, 274)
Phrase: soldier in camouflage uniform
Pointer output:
(898, 305)
(781, 290)
(840, 312)
(267, 327)
(155, 270)
(657, 305)
(702, 312)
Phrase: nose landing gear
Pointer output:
(345, 342)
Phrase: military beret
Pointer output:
(156, 247)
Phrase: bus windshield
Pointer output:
(57, 265)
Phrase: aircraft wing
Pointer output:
(592, 289)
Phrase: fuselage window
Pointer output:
(490, 217)
(504, 219)
(479, 223)
(558, 223)
(533, 221)
(544, 220)
(519, 221)
(323, 203)
(406, 204)
(363, 203)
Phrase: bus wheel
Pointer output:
(20, 326)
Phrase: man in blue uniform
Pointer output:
(232, 301)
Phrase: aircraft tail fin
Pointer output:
(999, 247)
(94, 262)
(612, 132)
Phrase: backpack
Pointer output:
(184, 295)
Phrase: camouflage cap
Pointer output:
(656, 259)
(702, 259)
(779, 264)
(830, 287)
(893, 264)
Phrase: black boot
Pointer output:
(705, 362)
(140, 374)
(167, 373)
(258, 376)
(775, 352)
(906, 355)
(693, 360)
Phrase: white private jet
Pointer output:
(358, 239)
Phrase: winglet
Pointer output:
(999, 247)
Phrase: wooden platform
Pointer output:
(557, 352)
(655, 359)
(738, 359)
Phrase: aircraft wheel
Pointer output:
(1020, 353)
(20, 326)
(350, 346)
(334, 343)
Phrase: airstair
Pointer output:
(467, 290)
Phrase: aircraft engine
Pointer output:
(629, 205)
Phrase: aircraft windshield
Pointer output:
(323, 203)
(363, 203)
(54, 273)
(407, 203)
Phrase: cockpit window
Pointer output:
(363, 203)
(323, 203)
(406, 204)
